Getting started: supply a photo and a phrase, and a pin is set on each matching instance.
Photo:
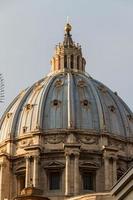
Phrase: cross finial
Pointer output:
(68, 26)
(67, 19)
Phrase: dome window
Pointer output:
(28, 106)
(8, 115)
(112, 108)
(102, 88)
(85, 103)
(58, 83)
(24, 129)
(116, 93)
(81, 83)
(56, 102)
(37, 86)
(130, 117)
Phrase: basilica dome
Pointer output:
(66, 135)
(67, 98)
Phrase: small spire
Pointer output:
(67, 19)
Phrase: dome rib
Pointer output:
(43, 100)
(70, 102)
(7, 130)
(98, 103)
(18, 115)
(9, 107)
(124, 116)
(120, 112)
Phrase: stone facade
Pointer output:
(70, 158)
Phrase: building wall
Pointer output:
(52, 151)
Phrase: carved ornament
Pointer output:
(88, 139)
(81, 83)
(59, 83)
(54, 139)
(89, 165)
(54, 165)
(119, 145)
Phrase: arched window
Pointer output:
(72, 59)
(78, 62)
(65, 61)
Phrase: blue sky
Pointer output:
(30, 29)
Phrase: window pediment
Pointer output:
(54, 165)
(20, 170)
(88, 165)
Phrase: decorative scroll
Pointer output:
(25, 143)
(3, 150)
(118, 144)
(88, 139)
(54, 139)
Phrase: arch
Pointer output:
(72, 61)
(65, 61)
(78, 64)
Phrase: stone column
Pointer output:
(106, 172)
(67, 175)
(109, 154)
(35, 172)
(27, 178)
(1, 179)
(76, 174)
(114, 178)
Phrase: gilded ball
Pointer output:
(68, 27)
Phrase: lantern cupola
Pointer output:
(68, 54)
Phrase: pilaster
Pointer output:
(72, 152)
(28, 172)
(110, 166)
(36, 171)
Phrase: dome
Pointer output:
(66, 135)
(67, 99)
